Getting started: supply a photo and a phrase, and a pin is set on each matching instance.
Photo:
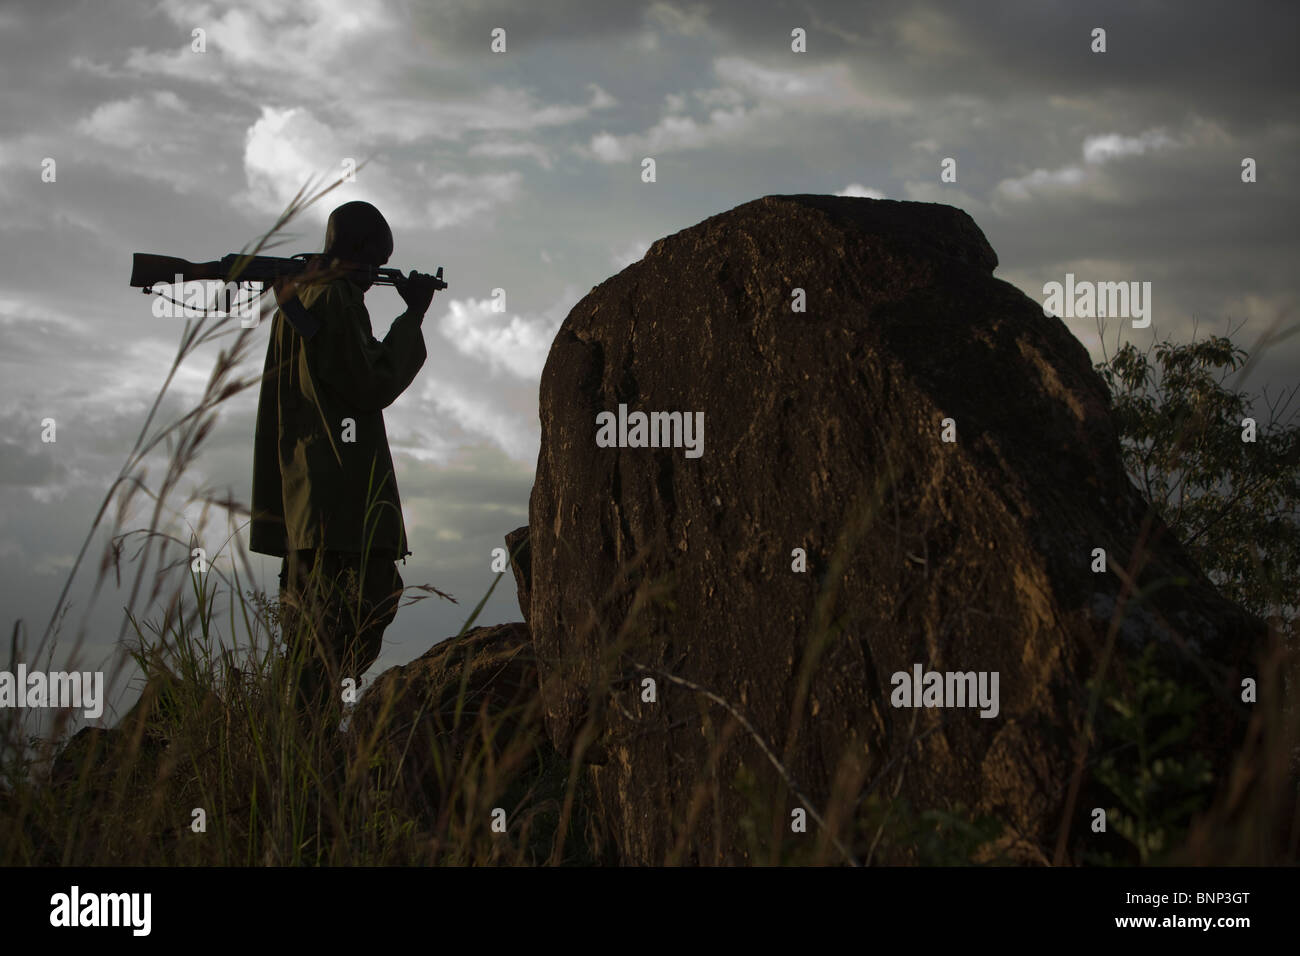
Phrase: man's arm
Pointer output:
(366, 373)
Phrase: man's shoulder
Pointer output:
(337, 294)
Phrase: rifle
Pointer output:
(147, 270)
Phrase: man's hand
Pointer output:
(416, 291)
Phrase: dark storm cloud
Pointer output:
(20, 464)
(1232, 60)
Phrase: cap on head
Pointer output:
(358, 232)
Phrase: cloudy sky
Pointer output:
(521, 170)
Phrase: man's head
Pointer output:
(357, 232)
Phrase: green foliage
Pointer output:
(1232, 503)
(1158, 784)
(935, 837)
(766, 817)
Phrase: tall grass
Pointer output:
(215, 764)
(421, 774)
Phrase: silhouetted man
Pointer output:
(324, 492)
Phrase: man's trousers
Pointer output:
(333, 615)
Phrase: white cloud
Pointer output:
(517, 343)
(507, 149)
(1108, 146)
(674, 19)
(85, 64)
(719, 96)
(829, 89)
(247, 44)
(286, 148)
(670, 134)
(478, 414)
(13, 311)
(1023, 187)
(152, 136)
(623, 256)
(600, 100)
(1097, 151)
(425, 446)
(836, 30)
(459, 198)
(350, 57)
(136, 121)
(464, 397)
(860, 191)
(753, 101)
(607, 148)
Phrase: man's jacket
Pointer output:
(322, 472)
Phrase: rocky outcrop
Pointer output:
(773, 572)
(94, 755)
(430, 714)
(521, 565)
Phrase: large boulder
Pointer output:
(824, 437)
